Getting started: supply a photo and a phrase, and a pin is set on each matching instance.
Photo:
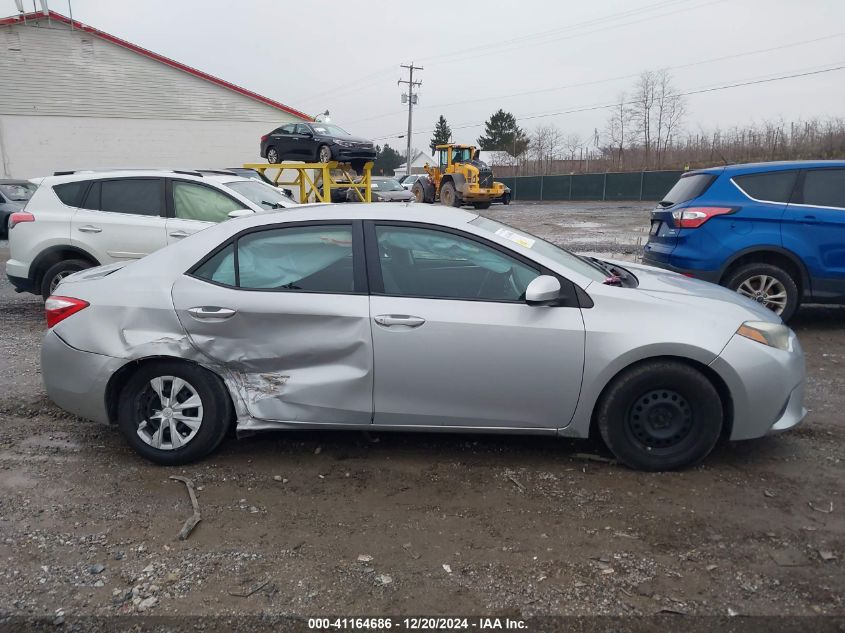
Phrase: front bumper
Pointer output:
(766, 386)
(346, 154)
(75, 380)
(705, 275)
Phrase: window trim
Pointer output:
(789, 199)
(170, 211)
(570, 299)
(798, 194)
(359, 274)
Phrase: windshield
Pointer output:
(18, 192)
(329, 130)
(547, 249)
(461, 155)
(388, 185)
(261, 194)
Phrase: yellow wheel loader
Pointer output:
(459, 178)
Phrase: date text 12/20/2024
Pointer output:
(416, 624)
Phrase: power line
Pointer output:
(411, 97)
(610, 79)
(604, 106)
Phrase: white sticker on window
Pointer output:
(522, 240)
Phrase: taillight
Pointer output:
(264, 138)
(18, 217)
(693, 217)
(57, 309)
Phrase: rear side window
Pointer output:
(774, 186)
(70, 192)
(687, 188)
(824, 188)
(132, 195)
(310, 259)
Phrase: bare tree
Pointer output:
(669, 108)
(642, 111)
(618, 129)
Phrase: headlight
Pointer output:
(343, 143)
(771, 334)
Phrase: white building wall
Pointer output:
(32, 146)
(71, 100)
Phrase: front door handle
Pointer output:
(179, 234)
(810, 219)
(211, 313)
(88, 228)
(389, 320)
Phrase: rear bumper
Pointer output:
(21, 284)
(75, 380)
(766, 386)
(712, 276)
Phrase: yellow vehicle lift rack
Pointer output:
(318, 178)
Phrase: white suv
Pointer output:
(82, 219)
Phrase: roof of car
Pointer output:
(141, 173)
(779, 165)
(12, 181)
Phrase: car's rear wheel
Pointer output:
(54, 275)
(660, 415)
(769, 285)
(449, 195)
(173, 412)
(272, 156)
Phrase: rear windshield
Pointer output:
(18, 192)
(687, 188)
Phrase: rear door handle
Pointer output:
(810, 219)
(179, 234)
(207, 313)
(89, 229)
(390, 320)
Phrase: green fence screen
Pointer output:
(646, 185)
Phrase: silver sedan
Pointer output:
(403, 318)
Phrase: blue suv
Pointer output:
(774, 232)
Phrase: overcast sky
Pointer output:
(530, 57)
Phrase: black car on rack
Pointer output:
(316, 143)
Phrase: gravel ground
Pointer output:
(344, 523)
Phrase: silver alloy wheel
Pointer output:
(178, 418)
(272, 156)
(55, 281)
(766, 290)
(325, 155)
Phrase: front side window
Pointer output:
(302, 129)
(137, 196)
(418, 262)
(311, 259)
(774, 186)
(825, 188)
(193, 201)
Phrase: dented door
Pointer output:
(298, 354)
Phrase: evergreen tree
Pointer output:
(387, 159)
(502, 134)
(442, 133)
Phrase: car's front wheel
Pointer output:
(660, 415)
(769, 285)
(173, 412)
(324, 154)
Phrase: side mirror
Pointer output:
(543, 290)
(239, 213)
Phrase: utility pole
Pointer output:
(412, 101)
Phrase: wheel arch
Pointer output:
(53, 255)
(119, 379)
(775, 255)
(715, 379)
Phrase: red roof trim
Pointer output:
(19, 19)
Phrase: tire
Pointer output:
(660, 415)
(482, 205)
(506, 199)
(139, 400)
(272, 156)
(449, 195)
(324, 154)
(58, 271)
(766, 284)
